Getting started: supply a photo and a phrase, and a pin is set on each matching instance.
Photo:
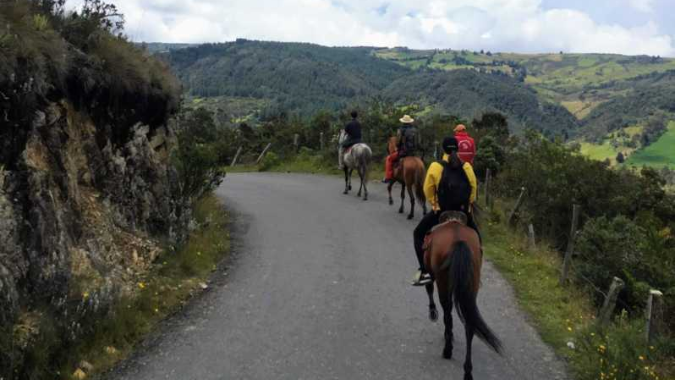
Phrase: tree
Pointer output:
(620, 158)
(196, 157)
(494, 124)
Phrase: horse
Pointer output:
(410, 174)
(358, 157)
(454, 257)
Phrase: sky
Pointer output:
(527, 26)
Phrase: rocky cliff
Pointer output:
(88, 196)
(80, 216)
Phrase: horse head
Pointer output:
(342, 137)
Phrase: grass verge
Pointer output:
(304, 163)
(565, 316)
(175, 277)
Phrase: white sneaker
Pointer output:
(421, 279)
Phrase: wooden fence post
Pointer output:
(321, 140)
(263, 153)
(610, 301)
(518, 204)
(653, 314)
(296, 142)
(531, 238)
(570, 245)
(487, 188)
(236, 156)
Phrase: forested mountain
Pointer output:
(467, 93)
(298, 77)
(306, 78)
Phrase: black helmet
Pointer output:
(450, 144)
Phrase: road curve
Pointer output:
(319, 290)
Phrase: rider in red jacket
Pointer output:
(467, 147)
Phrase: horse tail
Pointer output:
(420, 175)
(365, 158)
(462, 284)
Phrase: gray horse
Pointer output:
(358, 158)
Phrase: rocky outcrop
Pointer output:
(81, 213)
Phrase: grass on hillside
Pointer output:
(607, 150)
(599, 152)
(659, 154)
(175, 277)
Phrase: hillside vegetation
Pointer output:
(305, 78)
(610, 95)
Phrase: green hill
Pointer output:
(467, 93)
(296, 77)
(612, 96)
(305, 78)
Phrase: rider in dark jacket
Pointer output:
(353, 130)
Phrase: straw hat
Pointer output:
(407, 119)
(460, 128)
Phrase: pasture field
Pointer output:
(659, 154)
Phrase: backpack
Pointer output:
(454, 190)
(467, 149)
(409, 139)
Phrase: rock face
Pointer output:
(81, 212)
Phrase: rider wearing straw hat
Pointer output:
(406, 146)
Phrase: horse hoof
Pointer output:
(447, 353)
(433, 315)
(365, 198)
(345, 192)
(391, 203)
(468, 376)
(410, 217)
(350, 187)
(400, 211)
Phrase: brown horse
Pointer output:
(454, 257)
(410, 174)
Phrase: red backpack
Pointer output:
(467, 147)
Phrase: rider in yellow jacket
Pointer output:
(434, 174)
(431, 184)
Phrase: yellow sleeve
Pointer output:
(431, 184)
(468, 169)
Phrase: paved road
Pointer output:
(319, 290)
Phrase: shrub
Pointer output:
(617, 353)
(196, 157)
(270, 160)
(614, 247)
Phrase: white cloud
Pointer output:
(498, 25)
(646, 6)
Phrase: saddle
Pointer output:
(348, 150)
(446, 218)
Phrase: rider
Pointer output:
(406, 146)
(432, 183)
(353, 131)
(467, 147)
